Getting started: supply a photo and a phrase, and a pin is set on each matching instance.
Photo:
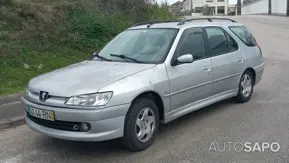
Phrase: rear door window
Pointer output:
(244, 35)
(220, 42)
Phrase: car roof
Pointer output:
(186, 24)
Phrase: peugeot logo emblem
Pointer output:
(43, 96)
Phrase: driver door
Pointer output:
(190, 82)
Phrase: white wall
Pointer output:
(201, 3)
(197, 14)
(260, 7)
(279, 6)
(216, 3)
(187, 5)
(198, 3)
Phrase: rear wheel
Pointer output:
(246, 87)
(141, 124)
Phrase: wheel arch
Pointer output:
(252, 71)
(156, 98)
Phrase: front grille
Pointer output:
(59, 125)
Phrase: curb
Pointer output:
(10, 98)
(13, 122)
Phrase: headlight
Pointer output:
(96, 99)
(26, 92)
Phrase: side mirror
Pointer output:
(187, 58)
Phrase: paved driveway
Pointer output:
(198, 137)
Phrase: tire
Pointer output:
(245, 97)
(131, 129)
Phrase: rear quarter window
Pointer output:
(244, 35)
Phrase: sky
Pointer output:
(172, 1)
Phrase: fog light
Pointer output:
(85, 126)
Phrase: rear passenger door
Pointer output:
(227, 59)
(252, 51)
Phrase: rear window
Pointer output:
(244, 35)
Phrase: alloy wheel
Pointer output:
(145, 125)
(246, 85)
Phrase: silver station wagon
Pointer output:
(152, 73)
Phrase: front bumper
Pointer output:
(106, 123)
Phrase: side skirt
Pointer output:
(199, 104)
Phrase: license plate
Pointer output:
(42, 114)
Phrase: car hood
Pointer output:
(84, 77)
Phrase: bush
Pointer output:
(37, 36)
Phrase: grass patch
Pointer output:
(38, 36)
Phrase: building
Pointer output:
(219, 7)
(278, 7)
(232, 9)
(176, 7)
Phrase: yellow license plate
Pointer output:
(42, 114)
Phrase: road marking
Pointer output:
(11, 103)
(272, 102)
(264, 102)
(16, 159)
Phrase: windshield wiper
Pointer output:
(100, 57)
(126, 57)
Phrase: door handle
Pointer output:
(207, 69)
(240, 60)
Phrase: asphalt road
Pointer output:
(189, 139)
(11, 107)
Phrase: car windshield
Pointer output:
(140, 45)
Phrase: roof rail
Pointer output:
(209, 19)
(149, 23)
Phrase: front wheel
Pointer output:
(141, 124)
(246, 87)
